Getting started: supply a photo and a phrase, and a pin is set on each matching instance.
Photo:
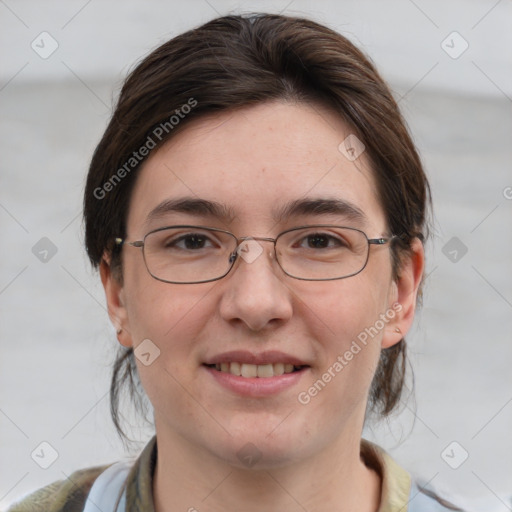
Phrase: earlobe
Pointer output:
(405, 294)
(114, 294)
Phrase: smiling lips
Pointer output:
(256, 370)
(264, 365)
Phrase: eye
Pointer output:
(189, 242)
(321, 241)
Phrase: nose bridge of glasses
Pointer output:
(249, 248)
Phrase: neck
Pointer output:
(336, 479)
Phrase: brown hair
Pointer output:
(237, 61)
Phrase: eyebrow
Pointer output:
(321, 206)
(208, 208)
(192, 206)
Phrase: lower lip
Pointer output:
(256, 386)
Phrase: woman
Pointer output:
(256, 209)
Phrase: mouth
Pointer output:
(251, 371)
(256, 375)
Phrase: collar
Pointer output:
(395, 481)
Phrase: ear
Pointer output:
(404, 294)
(114, 293)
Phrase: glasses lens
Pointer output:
(188, 254)
(322, 252)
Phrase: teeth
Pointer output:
(278, 368)
(249, 370)
(265, 370)
(256, 370)
(234, 369)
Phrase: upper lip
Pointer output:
(243, 356)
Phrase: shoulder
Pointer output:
(67, 495)
(399, 490)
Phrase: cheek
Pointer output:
(340, 310)
(160, 311)
(172, 317)
(345, 319)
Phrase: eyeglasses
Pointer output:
(198, 254)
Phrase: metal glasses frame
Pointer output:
(119, 242)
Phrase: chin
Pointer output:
(258, 446)
(256, 456)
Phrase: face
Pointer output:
(254, 163)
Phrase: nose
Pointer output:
(255, 292)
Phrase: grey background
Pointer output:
(56, 340)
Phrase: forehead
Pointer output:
(255, 162)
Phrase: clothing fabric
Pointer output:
(127, 487)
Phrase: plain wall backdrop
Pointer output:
(450, 66)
